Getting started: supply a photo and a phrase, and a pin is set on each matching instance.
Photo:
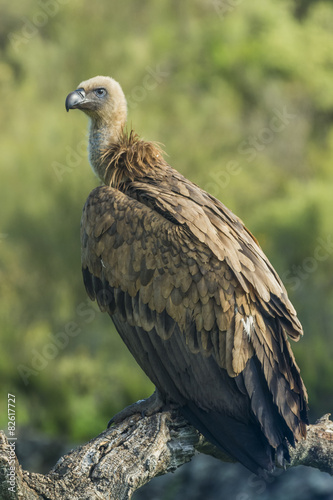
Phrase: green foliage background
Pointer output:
(205, 78)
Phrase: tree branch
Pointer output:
(127, 456)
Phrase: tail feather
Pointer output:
(243, 442)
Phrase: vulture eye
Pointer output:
(100, 92)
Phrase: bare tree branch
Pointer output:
(122, 459)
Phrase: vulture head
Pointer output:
(102, 99)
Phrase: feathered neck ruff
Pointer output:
(130, 158)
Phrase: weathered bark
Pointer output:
(120, 460)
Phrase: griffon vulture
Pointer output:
(189, 290)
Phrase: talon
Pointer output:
(143, 407)
(110, 422)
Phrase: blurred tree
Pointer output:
(240, 97)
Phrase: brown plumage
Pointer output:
(130, 158)
(189, 290)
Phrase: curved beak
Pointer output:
(75, 99)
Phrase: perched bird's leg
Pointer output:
(144, 407)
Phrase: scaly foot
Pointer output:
(144, 407)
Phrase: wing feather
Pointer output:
(197, 297)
